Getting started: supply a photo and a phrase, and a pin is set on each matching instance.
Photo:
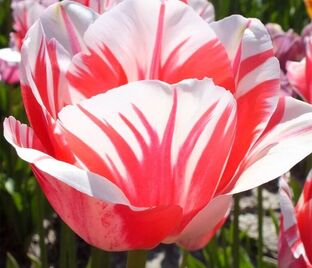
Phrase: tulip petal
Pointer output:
(67, 22)
(257, 76)
(91, 205)
(44, 64)
(203, 8)
(153, 139)
(30, 149)
(99, 6)
(47, 52)
(205, 224)
(291, 253)
(165, 40)
(286, 141)
(304, 215)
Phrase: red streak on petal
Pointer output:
(251, 63)
(74, 41)
(155, 63)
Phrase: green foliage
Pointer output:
(289, 14)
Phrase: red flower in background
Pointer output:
(129, 164)
(295, 239)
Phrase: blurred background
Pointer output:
(31, 234)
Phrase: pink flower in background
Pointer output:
(9, 64)
(295, 239)
(25, 13)
(286, 45)
(141, 137)
(300, 73)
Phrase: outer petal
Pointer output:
(291, 253)
(304, 216)
(154, 144)
(44, 64)
(91, 205)
(67, 22)
(257, 75)
(286, 141)
(9, 63)
(205, 224)
(165, 40)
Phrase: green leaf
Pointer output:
(192, 262)
(11, 261)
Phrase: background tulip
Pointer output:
(295, 244)
(128, 164)
(299, 73)
(286, 45)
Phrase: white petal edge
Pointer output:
(82, 180)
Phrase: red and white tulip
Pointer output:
(146, 119)
(295, 239)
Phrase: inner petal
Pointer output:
(163, 40)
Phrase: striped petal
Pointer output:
(257, 75)
(165, 40)
(153, 140)
(304, 216)
(45, 61)
(105, 218)
(291, 253)
(286, 141)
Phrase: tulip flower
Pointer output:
(146, 119)
(299, 73)
(295, 241)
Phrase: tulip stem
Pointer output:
(260, 227)
(68, 247)
(98, 258)
(235, 246)
(184, 258)
(43, 251)
(136, 259)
